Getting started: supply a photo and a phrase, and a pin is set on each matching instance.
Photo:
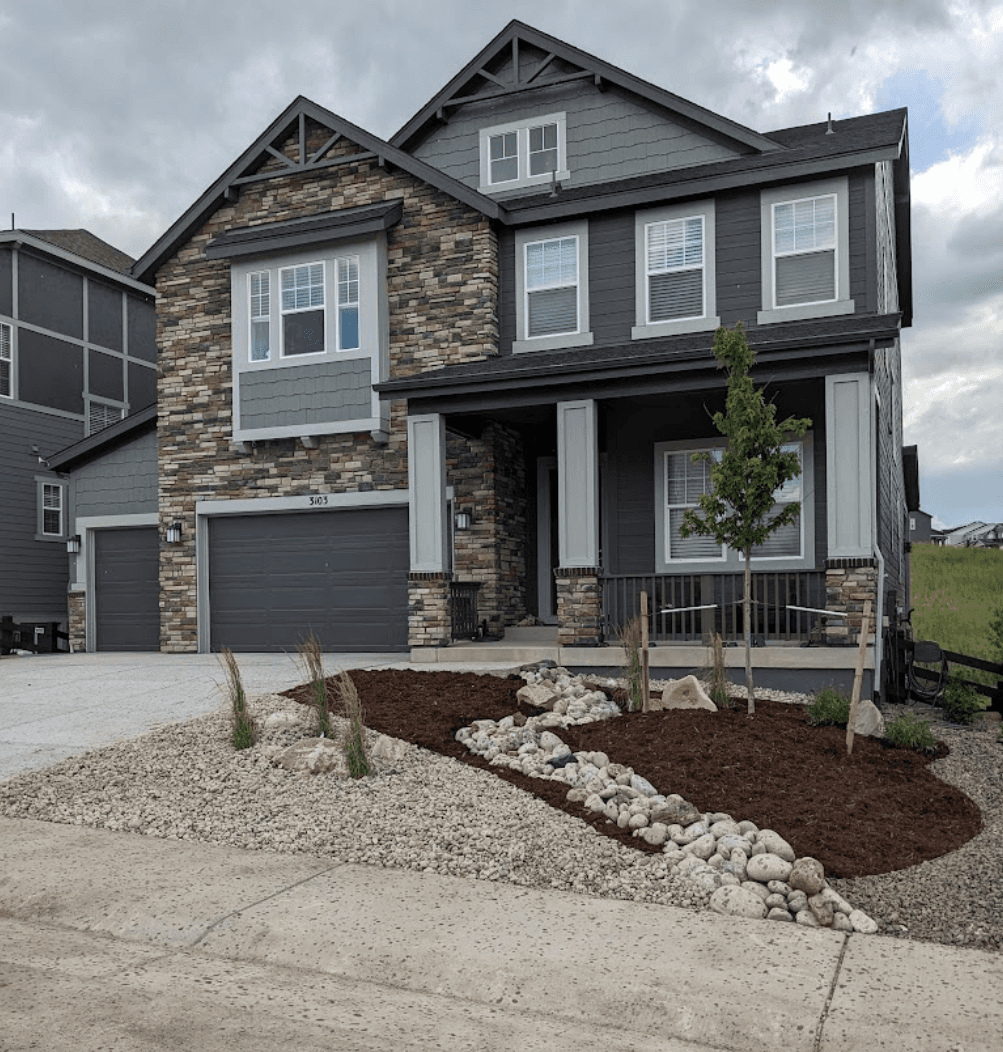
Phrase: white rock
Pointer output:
(767, 867)
(685, 693)
(550, 741)
(841, 922)
(642, 785)
(384, 747)
(594, 802)
(737, 902)
(279, 721)
(600, 760)
(839, 904)
(869, 720)
(313, 756)
(779, 914)
(725, 828)
(757, 889)
(703, 847)
(806, 919)
(862, 923)
(806, 875)
(776, 844)
(637, 821)
(655, 834)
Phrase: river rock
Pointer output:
(806, 919)
(776, 844)
(780, 914)
(737, 902)
(806, 875)
(675, 811)
(821, 909)
(757, 889)
(703, 847)
(767, 867)
(862, 923)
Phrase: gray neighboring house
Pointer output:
(920, 530)
(77, 353)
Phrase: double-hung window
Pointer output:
(524, 153)
(804, 251)
(504, 157)
(261, 312)
(6, 363)
(302, 309)
(552, 287)
(348, 303)
(543, 152)
(788, 541)
(50, 512)
(686, 481)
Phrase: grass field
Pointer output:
(955, 592)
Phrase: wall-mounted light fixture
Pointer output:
(73, 544)
(174, 533)
(462, 520)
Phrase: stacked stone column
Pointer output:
(849, 583)
(429, 614)
(579, 607)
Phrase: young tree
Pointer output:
(740, 509)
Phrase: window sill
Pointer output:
(805, 312)
(553, 343)
(674, 328)
(736, 565)
(522, 184)
(50, 537)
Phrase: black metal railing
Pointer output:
(691, 607)
(463, 608)
(40, 637)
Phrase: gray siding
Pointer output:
(738, 258)
(50, 371)
(611, 276)
(142, 387)
(142, 322)
(892, 521)
(861, 289)
(49, 295)
(309, 394)
(887, 272)
(122, 482)
(104, 375)
(6, 286)
(610, 135)
(33, 574)
(104, 315)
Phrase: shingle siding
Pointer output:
(121, 482)
(308, 394)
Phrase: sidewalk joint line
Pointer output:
(832, 992)
(274, 894)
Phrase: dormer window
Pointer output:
(524, 153)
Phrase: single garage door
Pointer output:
(127, 589)
(342, 574)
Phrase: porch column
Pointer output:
(429, 614)
(849, 465)
(579, 589)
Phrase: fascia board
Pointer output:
(95, 445)
(16, 238)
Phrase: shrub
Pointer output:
(910, 732)
(354, 742)
(313, 665)
(831, 707)
(244, 730)
(718, 677)
(629, 637)
(961, 702)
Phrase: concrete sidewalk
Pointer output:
(113, 940)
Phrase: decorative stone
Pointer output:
(779, 914)
(776, 902)
(655, 834)
(600, 760)
(737, 902)
(385, 747)
(540, 696)
(840, 922)
(821, 909)
(725, 828)
(869, 721)
(839, 904)
(767, 867)
(733, 843)
(637, 821)
(549, 741)
(703, 847)
(862, 923)
(642, 785)
(675, 811)
(729, 880)
(685, 693)
(757, 889)
(778, 887)
(797, 901)
(594, 802)
(313, 756)
(806, 875)
(806, 919)
(280, 721)
(776, 844)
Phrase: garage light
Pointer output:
(73, 544)
(174, 533)
(462, 520)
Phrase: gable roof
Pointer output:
(103, 441)
(263, 148)
(88, 246)
(467, 84)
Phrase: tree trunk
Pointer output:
(747, 626)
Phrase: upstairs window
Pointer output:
(52, 510)
(552, 287)
(524, 153)
(348, 303)
(302, 309)
(261, 331)
(675, 269)
(6, 363)
(804, 251)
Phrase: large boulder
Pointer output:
(540, 695)
(685, 693)
(869, 720)
(313, 756)
(807, 875)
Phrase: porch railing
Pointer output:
(463, 608)
(691, 607)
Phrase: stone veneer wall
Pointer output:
(77, 623)
(579, 607)
(429, 614)
(489, 478)
(442, 278)
(848, 584)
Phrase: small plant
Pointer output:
(628, 636)
(910, 732)
(718, 677)
(244, 730)
(354, 742)
(962, 703)
(831, 707)
(313, 665)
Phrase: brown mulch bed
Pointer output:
(877, 811)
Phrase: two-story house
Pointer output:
(479, 353)
(77, 352)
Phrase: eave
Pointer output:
(105, 440)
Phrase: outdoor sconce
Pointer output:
(174, 533)
(462, 520)
(73, 544)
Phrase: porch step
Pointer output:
(540, 635)
(499, 654)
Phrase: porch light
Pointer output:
(462, 520)
(174, 533)
(73, 544)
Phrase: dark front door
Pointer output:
(127, 589)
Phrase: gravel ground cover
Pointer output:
(443, 813)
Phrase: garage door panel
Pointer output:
(127, 589)
(341, 574)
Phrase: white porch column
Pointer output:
(849, 459)
(426, 479)
(577, 484)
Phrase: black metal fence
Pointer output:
(691, 607)
(463, 608)
(40, 637)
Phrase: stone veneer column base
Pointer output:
(848, 584)
(77, 623)
(429, 616)
(579, 606)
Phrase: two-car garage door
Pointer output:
(340, 574)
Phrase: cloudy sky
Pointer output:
(115, 116)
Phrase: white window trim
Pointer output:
(283, 313)
(524, 179)
(709, 321)
(252, 318)
(732, 561)
(842, 304)
(583, 337)
(8, 358)
(40, 483)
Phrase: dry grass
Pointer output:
(244, 730)
(312, 660)
(628, 636)
(354, 742)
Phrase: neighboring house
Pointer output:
(962, 536)
(978, 535)
(77, 351)
(920, 530)
(501, 320)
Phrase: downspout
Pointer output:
(879, 603)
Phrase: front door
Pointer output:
(547, 543)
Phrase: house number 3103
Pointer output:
(319, 502)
